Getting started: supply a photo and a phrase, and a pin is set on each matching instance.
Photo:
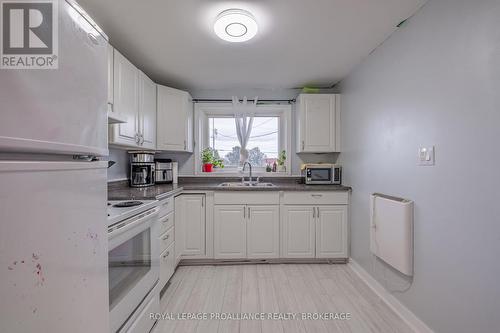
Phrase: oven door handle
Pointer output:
(129, 224)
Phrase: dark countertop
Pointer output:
(121, 191)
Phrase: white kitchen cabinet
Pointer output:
(174, 120)
(167, 265)
(110, 75)
(125, 101)
(134, 100)
(179, 228)
(147, 112)
(262, 232)
(230, 231)
(318, 123)
(331, 231)
(298, 232)
(193, 223)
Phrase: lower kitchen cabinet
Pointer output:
(167, 264)
(230, 232)
(193, 220)
(298, 232)
(331, 232)
(246, 231)
(314, 231)
(263, 227)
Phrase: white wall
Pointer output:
(436, 81)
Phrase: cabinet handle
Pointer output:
(185, 146)
(165, 220)
(93, 38)
(244, 213)
(316, 195)
(137, 138)
(302, 144)
(166, 255)
(248, 212)
(202, 201)
(166, 237)
(142, 139)
(314, 212)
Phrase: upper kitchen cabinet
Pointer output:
(318, 123)
(134, 99)
(174, 120)
(147, 112)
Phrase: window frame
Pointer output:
(202, 111)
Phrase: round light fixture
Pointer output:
(235, 25)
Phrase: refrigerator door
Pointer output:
(62, 110)
(53, 247)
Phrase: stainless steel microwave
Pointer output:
(323, 174)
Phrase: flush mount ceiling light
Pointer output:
(235, 25)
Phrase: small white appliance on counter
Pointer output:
(53, 232)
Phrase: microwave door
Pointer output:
(321, 175)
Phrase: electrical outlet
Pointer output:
(426, 155)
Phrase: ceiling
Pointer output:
(299, 42)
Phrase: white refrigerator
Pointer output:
(53, 193)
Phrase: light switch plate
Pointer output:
(426, 155)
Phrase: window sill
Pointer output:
(223, 174)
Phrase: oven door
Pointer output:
(133, 262)
(319, 175)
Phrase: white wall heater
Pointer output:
(391, 231)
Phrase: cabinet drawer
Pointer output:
(143, 323)
(166, 239)
(167, 265)
(316, 198)
(166, 222)
(246, 198)
(166, 206)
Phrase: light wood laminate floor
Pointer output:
(275, 288)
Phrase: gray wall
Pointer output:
(435, 81)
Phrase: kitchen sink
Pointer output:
(245, 184)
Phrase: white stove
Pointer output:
(118, 210)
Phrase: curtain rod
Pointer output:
(204, 100)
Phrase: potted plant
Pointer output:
(207, 158)
(281, 161)
(218, 163)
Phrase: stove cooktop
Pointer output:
(119, 210)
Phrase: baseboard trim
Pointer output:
(406, 315)
(200, 262)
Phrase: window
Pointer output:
(215, 127)
(262, 146)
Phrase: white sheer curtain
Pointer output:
(243, 118)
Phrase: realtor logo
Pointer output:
(29, 34)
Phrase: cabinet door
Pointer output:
(172, 122)
(230, 231)
(147, 111)
(331, 232)
(317, 123)
(110, 74)
(297, 232)
(179, 228)
(167, 265)
(263, 231)
(126, 100)
(193, 220)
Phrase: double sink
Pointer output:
(246, 184)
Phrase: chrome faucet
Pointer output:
(250, 172)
